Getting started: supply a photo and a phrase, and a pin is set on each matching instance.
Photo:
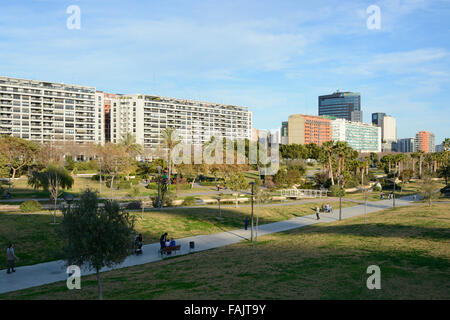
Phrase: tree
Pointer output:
(18, 153)
(236, 182)
(406, 175)
(446, 144)
(114, 160)
(53, 179)
(444, 172)
(169, 141)
(327, 149)
(96, 236)
(428, 189)
(130, 146)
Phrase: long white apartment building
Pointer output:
(46, 112)
(145, 116)
(360, 136)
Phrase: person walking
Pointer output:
(246, 223)
(10, 258)
(317, 213)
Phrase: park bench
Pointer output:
(167, 250)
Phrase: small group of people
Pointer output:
(166, 242)
(327, 208)
(138, 241)
(383, 196)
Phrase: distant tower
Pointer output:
(343, 105)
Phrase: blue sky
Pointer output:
(276, 57)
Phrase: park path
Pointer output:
(50, 272)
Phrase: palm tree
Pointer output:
(328, 150)
(169, 141)
(399, 159)
(341, 149)
(446, 144)
(421, 154)
(130, 146)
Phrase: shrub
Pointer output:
(335, 191)
(30, 206)
(134, 205)
(154, 186)
(169, 197)
(124, 185)
(189, 201)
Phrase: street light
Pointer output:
(340, 196)
(69, 198)
(159, 178)
(9, 184)
(251, 235)
(100, 186)
(393, 195)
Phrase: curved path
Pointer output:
(49, 272)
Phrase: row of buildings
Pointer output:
(340, 119)
(47, 112)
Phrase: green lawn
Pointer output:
(36, 239)
(411, 245)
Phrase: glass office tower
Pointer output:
(343, 105)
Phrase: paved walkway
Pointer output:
(50, 272)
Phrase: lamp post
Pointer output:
(340, 197)
(100, 183)
(393, 195)
(219, 197)
(251, 235)
(69, 198)
(159, 180)
(9, 184)
(365, 199)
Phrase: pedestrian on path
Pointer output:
(10, 258)
(246, 223)
(317, 213)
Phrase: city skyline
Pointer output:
(243, 54)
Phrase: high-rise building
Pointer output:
(343, 105)
(405, 145)
(284, 132)
(361, 137)
(304, 129)
(388, 130)
(47, 112)
(439, 148)
(424, 141)
(145, 116)
(377, 118)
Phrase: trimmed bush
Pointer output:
(30, 206)
(134, 205)
(189, 201)
(154, 186)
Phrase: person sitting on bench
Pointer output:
(172, 243)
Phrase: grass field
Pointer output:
(324, 261)
(36, 240)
